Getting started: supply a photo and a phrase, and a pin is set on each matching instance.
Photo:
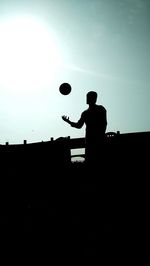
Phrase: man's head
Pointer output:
(91, 97)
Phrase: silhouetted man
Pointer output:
(95, 119)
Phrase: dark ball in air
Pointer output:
(65, 88)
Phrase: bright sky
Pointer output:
(101, 45)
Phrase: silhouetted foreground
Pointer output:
(74, 205)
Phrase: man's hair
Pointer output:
(92, 96)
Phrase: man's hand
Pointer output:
(65, 118)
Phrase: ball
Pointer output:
(65, 88)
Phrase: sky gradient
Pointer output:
(101, 45)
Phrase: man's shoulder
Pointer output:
(85, 111)
(101, 107)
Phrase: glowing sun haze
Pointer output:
(29, 56)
